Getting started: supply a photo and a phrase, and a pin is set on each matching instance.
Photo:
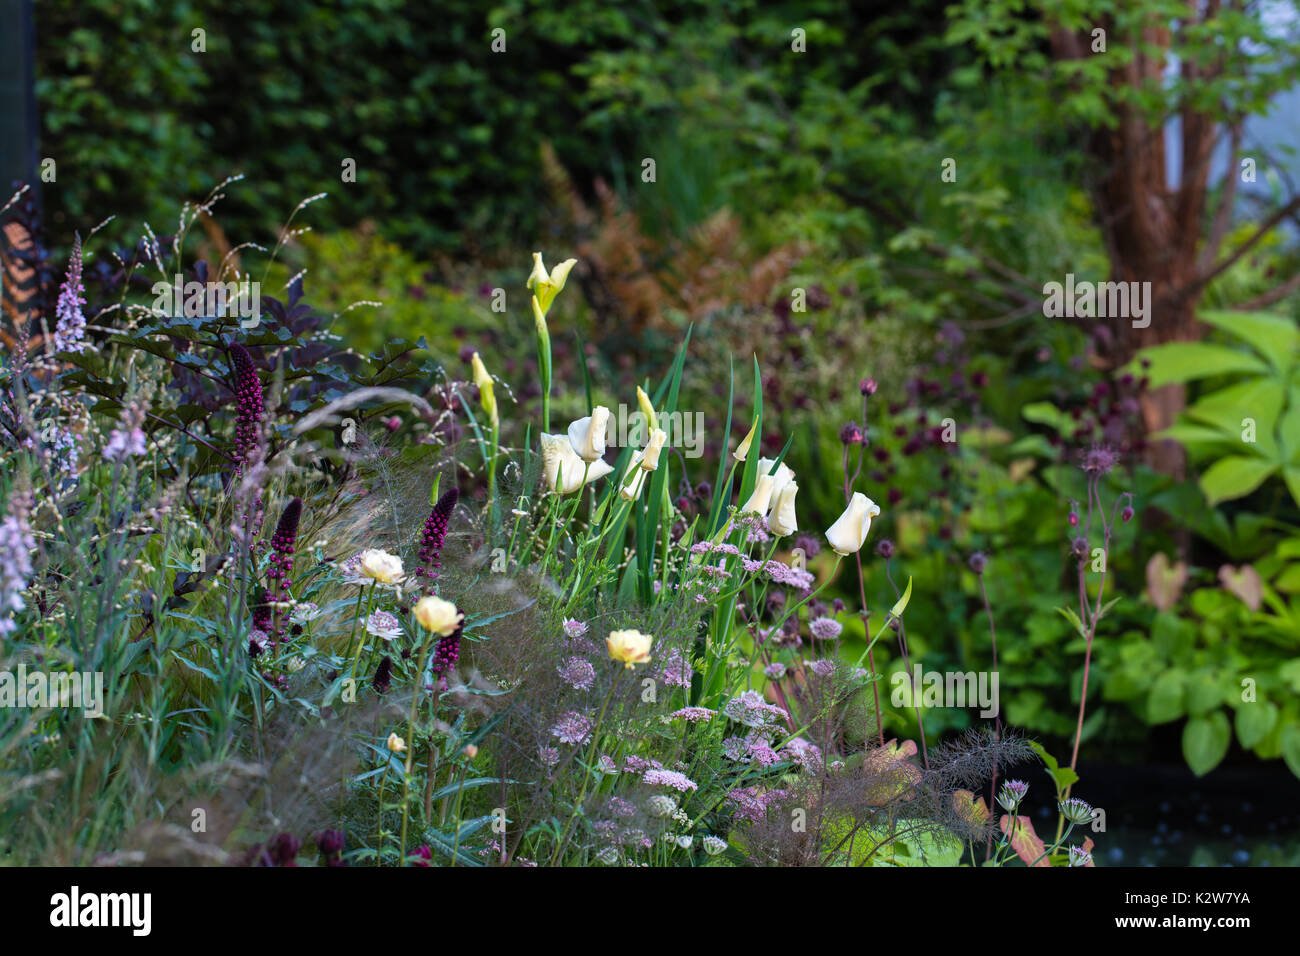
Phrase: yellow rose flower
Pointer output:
(437, 615)
(381, 566)
(630, 647)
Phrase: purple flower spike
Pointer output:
(280, 572)
(248, 405)
(435, 532)
(71, 327)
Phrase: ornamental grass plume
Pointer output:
(248, 405)
(435, 533)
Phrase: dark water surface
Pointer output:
(1166, 816)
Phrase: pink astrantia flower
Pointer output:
(578, 673)
(572, 728)
(385, 625)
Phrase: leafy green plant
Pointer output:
(1245, 426)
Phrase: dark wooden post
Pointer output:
(19, 131)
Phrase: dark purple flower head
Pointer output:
(978, 562)
(435, 533)
(383, 676)
(248, 405)
(867, 386)
(284, 849)
(330, 843)
(885, 548)
(1080, 547)
(1127, 514)
(851, 434)
(423, 856)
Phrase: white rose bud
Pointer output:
(588, 434)
(650, 459)
(761, 497)
(563, 468)
(849, 532)
(781, 521)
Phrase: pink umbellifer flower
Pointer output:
(676, 669)
(16, 546)
(694, 715)
(751, 803)
(635, 764)
(572, 728)
(70, 329)
(248, 405)
(788, 576)
(669, 778)
(435, 532)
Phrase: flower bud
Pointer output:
(781, 520)
(650, 460)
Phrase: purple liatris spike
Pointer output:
(280, 572)
(447, 653)
(435, 532)
(261, 608)
(248, 405)
(70, 329)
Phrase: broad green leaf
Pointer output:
(1272, 336)
(1292, 476)
(1291, 747)
(1204, 693)
(1165, 702)
(1188, 361)
(1255, 721)
(1235, 477)
(1045, 413)
(1246, 412)
(1205, 742)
